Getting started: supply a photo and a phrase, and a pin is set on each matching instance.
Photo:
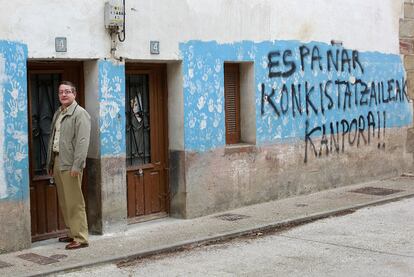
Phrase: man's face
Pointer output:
(66, 95)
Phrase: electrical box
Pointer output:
(114, 14)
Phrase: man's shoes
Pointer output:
(65, 239)
(76, 245)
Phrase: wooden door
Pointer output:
(146, 142)
(43, 82)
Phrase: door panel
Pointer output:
(155, 183)
(146, 132)
(44, 79)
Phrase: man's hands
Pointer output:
(74, 173)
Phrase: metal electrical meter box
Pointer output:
(114, 14)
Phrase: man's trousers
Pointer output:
(71, 202)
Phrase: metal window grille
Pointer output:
(138, 150)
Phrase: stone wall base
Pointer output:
(228, 178)
(15, 225)
(107, 207)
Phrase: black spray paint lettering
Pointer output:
(268, 99)
(282, 64)
(314, 98)
(359, 131)
(274, 64)
(339, 94)
(341, 60)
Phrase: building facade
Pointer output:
(202, 106)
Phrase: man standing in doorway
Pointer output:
(67, 151)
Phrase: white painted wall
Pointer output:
(90, 69)
(247, 103)
(175, 106)
(362, 25)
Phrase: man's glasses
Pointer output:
(65, 92)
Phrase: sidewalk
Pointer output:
(168, 234)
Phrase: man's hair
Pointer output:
(67, 83)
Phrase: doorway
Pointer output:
(43, 81)
(146, 142)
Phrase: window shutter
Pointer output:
(232, 102)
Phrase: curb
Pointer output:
(280, 225)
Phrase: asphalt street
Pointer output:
(375, 241)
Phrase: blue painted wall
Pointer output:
(278, 66)
(112, 108)
(14, 176)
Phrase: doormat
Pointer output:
(38, 259)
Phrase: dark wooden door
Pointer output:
(146, 142)
(43, 82)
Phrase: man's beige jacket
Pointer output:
(75, 130)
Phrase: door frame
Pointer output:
(39, 67)
(159, 82)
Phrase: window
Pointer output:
(232, 102)
(138, 150)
